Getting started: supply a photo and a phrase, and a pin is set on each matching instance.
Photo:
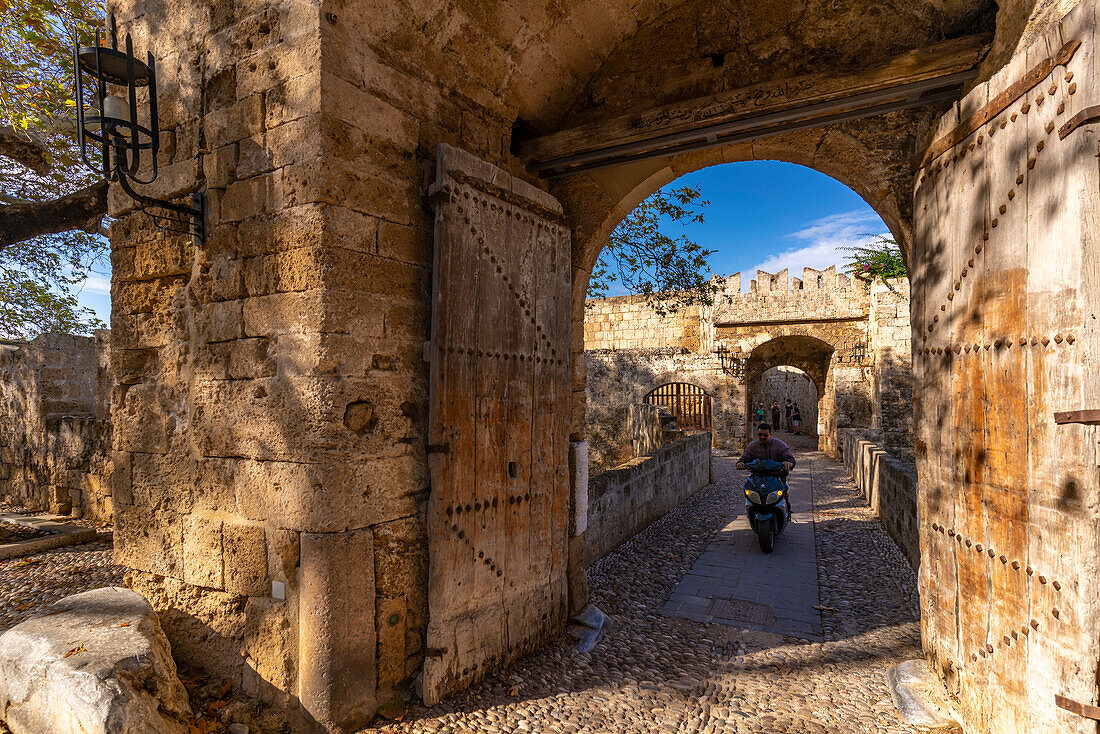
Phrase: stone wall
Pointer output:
(812, 324)
(892, 378)
(888, 483)
(783, 382)
(618, 379)
(627, 322)
(650, 427)
(624, 500)
(55, 428)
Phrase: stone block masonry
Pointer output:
(812, 325)
(55, 430)
(888, 483)
(624, 500)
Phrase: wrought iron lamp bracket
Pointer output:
(121, 137)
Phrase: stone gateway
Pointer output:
(279, 424)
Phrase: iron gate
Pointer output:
(688, 403)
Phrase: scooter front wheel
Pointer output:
(765, 531)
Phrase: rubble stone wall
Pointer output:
(55, 428)
(889, 484)
(619, 379)
(651, 427)
(624, 500)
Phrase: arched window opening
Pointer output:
(688, 403)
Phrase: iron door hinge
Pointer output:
(1081, 709)
(1084, 117)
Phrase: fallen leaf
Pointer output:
(217, 705)
(224, 690)
(514, 691)
(124, 624)
(75, 650)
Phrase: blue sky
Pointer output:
(771, 215)
(762, 214)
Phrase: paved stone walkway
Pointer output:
(735, 583)
(658, 673)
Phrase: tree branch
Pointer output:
(81, 209)
(25, 149)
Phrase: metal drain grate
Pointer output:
(740, 611)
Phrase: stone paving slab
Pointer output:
(61, 533)
(734, 583)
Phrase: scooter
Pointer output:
(766, 501)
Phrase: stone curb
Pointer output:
(61, 534)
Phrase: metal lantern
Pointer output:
(731, 365)
(113, 124)
(859, 353)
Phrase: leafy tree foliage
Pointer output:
(39, 162)
(671, 271)
(879, 259)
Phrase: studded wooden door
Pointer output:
(499, 422)
(1006, 293)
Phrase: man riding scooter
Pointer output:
(766, 447)
(766, 502)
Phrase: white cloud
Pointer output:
(820, 242)
(97, 284)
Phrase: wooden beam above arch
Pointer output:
(913, 79)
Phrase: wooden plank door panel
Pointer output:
(499, 402)
(1006, 278)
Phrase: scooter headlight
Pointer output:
(753, 496)
(774, 497)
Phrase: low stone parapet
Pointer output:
(624, 500)
(888, 483)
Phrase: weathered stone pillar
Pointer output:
(270, 469)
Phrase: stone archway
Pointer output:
(784, 382)
(241, 359)
(812, 356)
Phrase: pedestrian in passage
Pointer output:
(796, 418)
(787, 414)
(761, 416)
(775, 413)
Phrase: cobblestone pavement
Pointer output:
(654, 673)
(32, 583)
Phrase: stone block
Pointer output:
(255, 158)
(151, 543)
(122, 677)
(400, 556)
(391, 625)
(220, 321)
(219, 166)
(245, 552)
(337, 628)
(202, 552)
(249, 198)
(251, 358)
(293, 99)
(234, 123)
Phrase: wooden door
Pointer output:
(499, 422)
(1006, 292)
(689, 403)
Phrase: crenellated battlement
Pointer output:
(628, 322)
(812, 280)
